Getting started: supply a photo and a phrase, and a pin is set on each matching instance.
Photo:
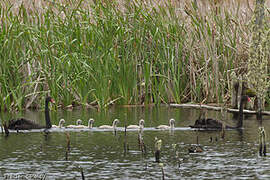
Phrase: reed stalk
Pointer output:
(120, 52)
(126, 146)
(68, 145)
(158, 144)
(262, 141)
(259, 55)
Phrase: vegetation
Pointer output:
(259, 55)
(120, 52)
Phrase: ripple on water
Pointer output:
(101, 155)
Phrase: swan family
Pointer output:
(201, 123)
(140, 125)
(25, 124)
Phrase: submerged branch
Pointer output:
(216, 108)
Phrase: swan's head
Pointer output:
(78, 122)
(49, 99)
(115, 122)
(61, 122)
(90, 122)
(245, 98)
(141, 122)
(172, 122)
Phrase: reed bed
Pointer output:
(100, 53)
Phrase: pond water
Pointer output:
(101, 155)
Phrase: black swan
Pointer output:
(216, 124)
(25, 124)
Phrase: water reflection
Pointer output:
(103, 155)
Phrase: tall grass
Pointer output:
(119, 52)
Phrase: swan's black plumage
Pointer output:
(203, 123)
(25, 124)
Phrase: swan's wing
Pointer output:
(23, 124)
(162, 127)
(133, 127)
(105, 127)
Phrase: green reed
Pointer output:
(128, 52)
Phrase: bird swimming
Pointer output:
(114, 124)
(89, 126)
(60, 124)
(203, 123)
(78, 123)
(171, 125)
(140, 126)
(25, 124)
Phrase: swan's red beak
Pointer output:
(249, 99)
(52, 100)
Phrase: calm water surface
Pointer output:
(101, 153)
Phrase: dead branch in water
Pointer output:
(215, 108)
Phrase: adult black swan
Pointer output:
(208, 123)
(25, 124)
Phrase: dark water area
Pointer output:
(101, 153)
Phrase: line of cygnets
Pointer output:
(140, 126)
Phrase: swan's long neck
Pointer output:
(240, 115)
(47, 115)
(114, 124)
(172, 125)
(141, 124)
(61, 123)
(90, 124)
(78, 122)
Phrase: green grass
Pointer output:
(108, 52)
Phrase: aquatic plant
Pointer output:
(141, 143)
(158, 144)
(126, 146)
(6, 129)
(175, 154)
(82, 174)
(68, 145)
(1, 125)
(162, 170)
(119, 52)
(262, 142)
(259, 56)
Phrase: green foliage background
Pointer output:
(128, 52)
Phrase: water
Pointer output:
(101, 153)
